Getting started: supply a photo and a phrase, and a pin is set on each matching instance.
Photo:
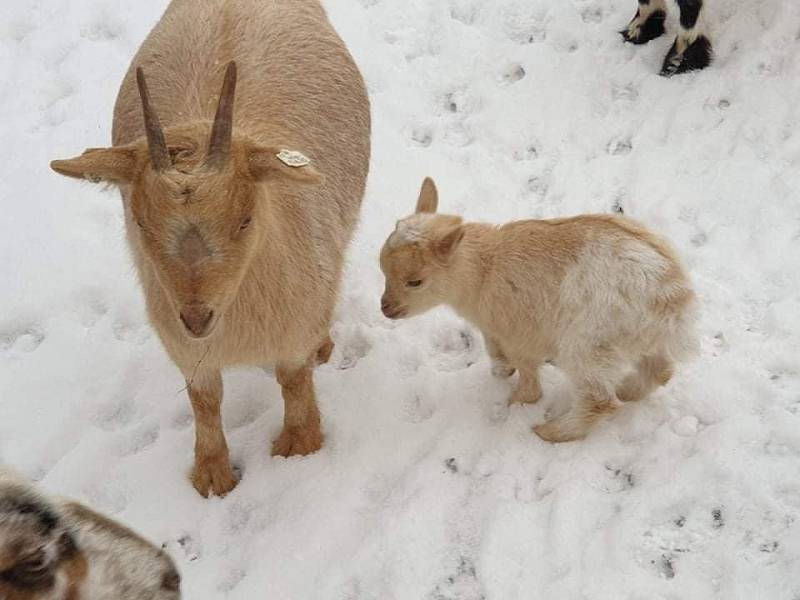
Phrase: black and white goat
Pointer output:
(691, 49)
(54, 549)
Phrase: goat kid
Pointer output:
(605, 299)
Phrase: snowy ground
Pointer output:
(429, 487)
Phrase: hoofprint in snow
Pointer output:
(429, 487)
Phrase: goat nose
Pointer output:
(196, 318)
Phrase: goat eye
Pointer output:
(414, 283)
(245, 223)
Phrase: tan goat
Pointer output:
(597, 294)
(240, 245)
(53, 549)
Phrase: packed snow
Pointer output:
(429, 487)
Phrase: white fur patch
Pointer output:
(408, 230)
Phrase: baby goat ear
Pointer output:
(446, 242)
(271, 163)
(428, 197)
(115, 165)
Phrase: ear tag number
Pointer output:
(293, 158)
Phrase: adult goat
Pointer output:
(239, 238)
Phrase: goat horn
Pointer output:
(219, 147)
(156, 144)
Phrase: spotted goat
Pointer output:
(55, 549)
(691, 49)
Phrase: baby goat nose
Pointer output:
(196, 318)
(384, 304)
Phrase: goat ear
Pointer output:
(115, 165)
(271, 163)
(428, 197)
(446, 242)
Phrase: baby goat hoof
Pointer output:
(641, 33)
(297, 442)
(524, 397)
(325, 350)
(696, 56)
(213, 478)
(502, 370)
(553, 432)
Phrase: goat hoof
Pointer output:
(641, 33)
(213, 478)
(502, 370)
(324, 351)
(524, 397)
(553, 432)
(630, 390)
(295, 441)
(696, 56)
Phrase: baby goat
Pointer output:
(597, 294)
(691, 49)
(61, 550)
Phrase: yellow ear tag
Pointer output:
(293, 158)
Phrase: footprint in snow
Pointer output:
(538, 185)
(592, 14)
(617, 479)
(138, 440)
(91, 307)
(462, 584)
(103, 28)
(453, 349)
(666, 544)
(619, 146)
(239, 516)
(665, 566)
(54, 92)
(184, 547)
(417, 408)
(720, 343)
(134, 333)
(351, 347)
(232, 578)
(699, 239)
(530, 152)
(17, 31)
(624, 93)
(513, 74)
(566, 44)
(115, 414)
(459, 134)
(422, 136)
(21, 340)
(523, 27)
(686, 426)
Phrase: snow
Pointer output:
(428, 486)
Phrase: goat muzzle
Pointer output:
(197, 319)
